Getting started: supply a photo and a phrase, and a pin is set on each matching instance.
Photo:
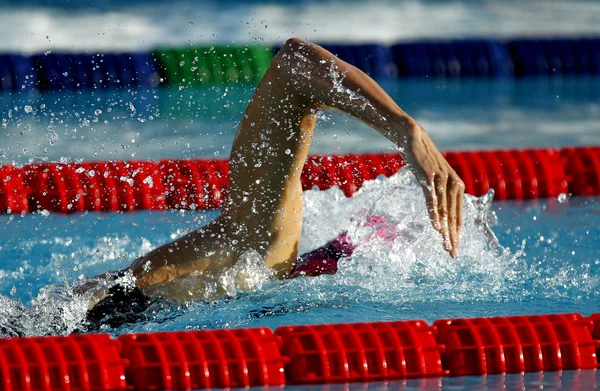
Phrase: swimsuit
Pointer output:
(323, 260)
(121, 305)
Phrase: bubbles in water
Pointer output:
(28, 109)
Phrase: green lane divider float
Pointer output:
(213, 64)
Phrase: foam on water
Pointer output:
(409, 254)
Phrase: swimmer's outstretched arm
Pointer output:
(326, 81)
(263, 209)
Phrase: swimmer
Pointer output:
(263, 209)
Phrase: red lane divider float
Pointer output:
(595, 318)
(203, 359)
(188, 360)
(582, 167)
(202, 184)
(514, 175)
(76, 363)
(342, 353)
(13, 193)
(517, 344)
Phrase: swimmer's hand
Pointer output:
(442, 187)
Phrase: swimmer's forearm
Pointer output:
(327, 81)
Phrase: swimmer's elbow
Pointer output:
(299, 45)
(294, 44)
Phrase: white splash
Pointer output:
(397, 245)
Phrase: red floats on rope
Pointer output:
(360, 352)
(582, 166)
(188, 360)
(74, 363)
(596, 321)
(348, 172)
(596, 334)
(514, 175)
(96, 186)
(202, 184)
(516, 344)
(13, 193)
(203, 359)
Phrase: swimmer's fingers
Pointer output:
(455, 200)
(441, 181)
(432, 202)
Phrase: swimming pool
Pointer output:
(547, 261)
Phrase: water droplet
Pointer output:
(562, 197)
(287, 151)
(149, 181)
(126, 179)
(98, 112)
(28, 109)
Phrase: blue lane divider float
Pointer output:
(555, 56)
(463, 58)
(375, 60)
(82, 71)
(16, 72)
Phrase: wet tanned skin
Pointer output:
(263, 211)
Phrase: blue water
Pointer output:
(201, 121)
(567, 380)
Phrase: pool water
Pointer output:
(567, 380)
(182, 122)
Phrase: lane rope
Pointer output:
(202, 184)
(313, 354)
(217, 64)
